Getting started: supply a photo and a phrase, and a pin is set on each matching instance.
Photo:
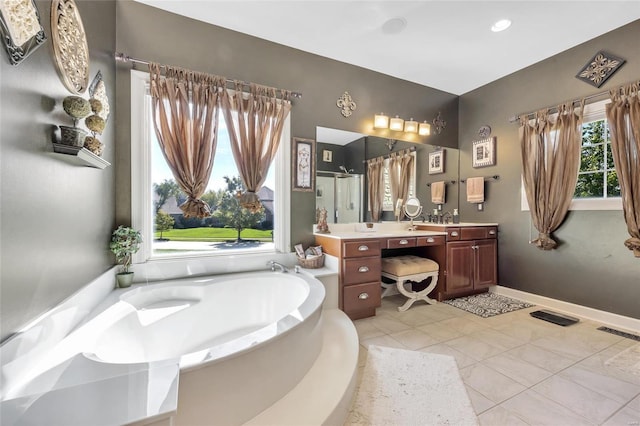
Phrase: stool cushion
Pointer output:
(408, 265)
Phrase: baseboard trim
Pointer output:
(614, 320)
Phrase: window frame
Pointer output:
(592, 112)
(142, 192)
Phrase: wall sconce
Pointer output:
(411, 126)
(424, 129)
(381, 121)
(396, 124)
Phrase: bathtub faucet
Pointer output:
(273, 264)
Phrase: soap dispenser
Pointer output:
(456, 216)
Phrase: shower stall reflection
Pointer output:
(341, 195)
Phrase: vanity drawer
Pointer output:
(453, 234)
(362, 248)
(393, 243)
(361, 296)
(478, 233)
(361, 270)
(435, 240)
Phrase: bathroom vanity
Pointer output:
(466, 253)
(471, 261)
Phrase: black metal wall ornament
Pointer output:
(20, 29)
(439, 123)
(599, 68)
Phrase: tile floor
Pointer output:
(519, 370)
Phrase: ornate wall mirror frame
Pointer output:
(70, 50)
(20, 29)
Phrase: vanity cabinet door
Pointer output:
(486, 263)
(471, 265)
(460, 259)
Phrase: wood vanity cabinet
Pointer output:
(359, 276)
(471, 261)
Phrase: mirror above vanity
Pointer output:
(341, 181)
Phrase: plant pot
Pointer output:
(124, 279)
(72, 136)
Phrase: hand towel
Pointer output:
(437, 192)
(475, 190)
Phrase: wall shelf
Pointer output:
(83, 155)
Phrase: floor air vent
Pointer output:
(554, 317)
(620, 333)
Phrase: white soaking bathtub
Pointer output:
(242, 341)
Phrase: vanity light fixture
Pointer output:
(381, 121)
(396, 124)
(424, 129)
(411, 126)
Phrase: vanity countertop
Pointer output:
(354, 235)
(358, 231)
(455, 225)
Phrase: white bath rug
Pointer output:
(402, 387)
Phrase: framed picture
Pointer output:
(484, 153)
(303, 165)
(327, 156)
(20, 28)
(436, 162)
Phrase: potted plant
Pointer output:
(124, 242)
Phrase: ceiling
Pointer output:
(446, 45)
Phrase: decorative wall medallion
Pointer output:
(439, 123)
(71, 53)
(346, 104)
(484, 131)
(600, 68)
(20, 29)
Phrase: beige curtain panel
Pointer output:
(623, 116)
(374, 187)
(550, 162)
(255, 121)
(185, 117)
(400, 169)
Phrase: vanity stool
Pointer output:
(409, 268)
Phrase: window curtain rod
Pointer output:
(121, 57)
(515, 118)
(407, 150)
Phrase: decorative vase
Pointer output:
(72, 136)
(124, 279)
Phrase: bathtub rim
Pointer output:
(308, 310)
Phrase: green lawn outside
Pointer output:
(213, 234)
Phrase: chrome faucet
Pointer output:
(273, 264)
(447, 216)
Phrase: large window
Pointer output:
(597, 187)
(230, 230)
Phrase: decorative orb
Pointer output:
(96, 105)
(94, 145)
(76, 107)
(95, 123)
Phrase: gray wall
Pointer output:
(152, 34)
(56, 218)
(591, 267)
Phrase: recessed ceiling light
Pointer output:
(394, 26)
(501, 25)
